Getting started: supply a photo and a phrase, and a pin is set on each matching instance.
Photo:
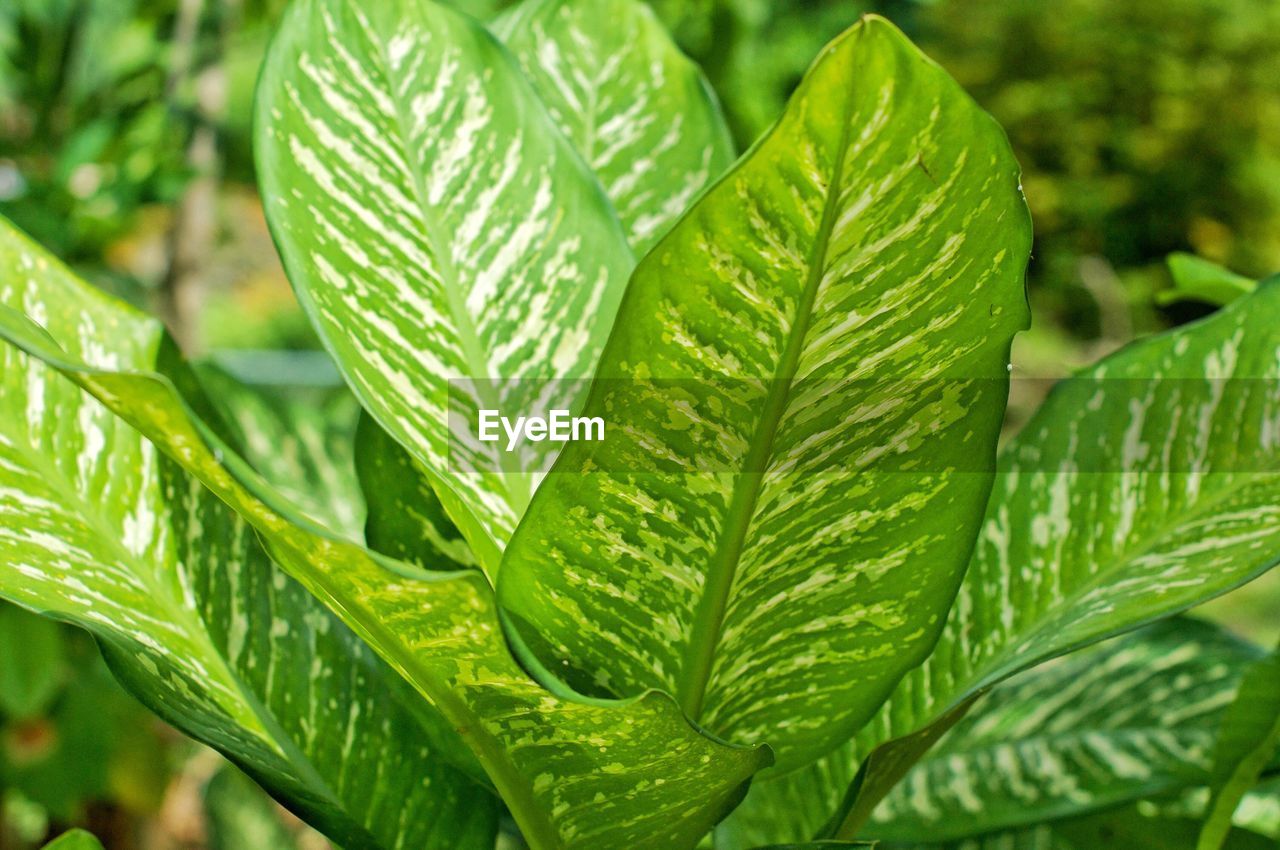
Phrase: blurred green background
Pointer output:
(1144, 127)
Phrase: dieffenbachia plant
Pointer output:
(793, 595)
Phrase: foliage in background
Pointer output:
(1143, 128)
(73, 745)
(1248, 741)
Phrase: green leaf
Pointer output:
(885, 768)
(1128, 827)
(1258, 810)
(1133, 719)
(436, 225)
(76, 839)
(1247, 743)
(1197, 279)
(101, 531)
(786, 809)
(240, 816)
(31, 662)
(406, 520)
(640, 112)
(818, 845)
(802, 398)
(302, 445)
(1143, 486)
(646, 122)
(574, 773)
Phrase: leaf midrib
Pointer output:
(516, 481)
(708, 621)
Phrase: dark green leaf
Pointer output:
(1247, 744)
(406, 520)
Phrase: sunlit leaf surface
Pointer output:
(639, 111)
(436, 225)
(802, 395)
(572, 773)
(101, 530)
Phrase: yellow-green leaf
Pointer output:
(574, 773)
(802, 398)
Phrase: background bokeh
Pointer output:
(1144, 127)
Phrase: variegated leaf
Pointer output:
(788, 809)
(1128, 827)
(436, 225)
(1257, 811)
(802, 398)
(303, 446)
(405, 518)
(1143, 486)
(100, 530)
(573, 773)
(1248, 742)
(640, 112)
(1132, 719)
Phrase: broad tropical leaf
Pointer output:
(802, 398)
(1143, 486)
(818, 845)
(1248, 740)
(1133, 718)
(1197, 279)
(788, 809)
(573, 773)
(1128, 827)
(102, 531)
(302, 445)
(639, 111)
(436, 225)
